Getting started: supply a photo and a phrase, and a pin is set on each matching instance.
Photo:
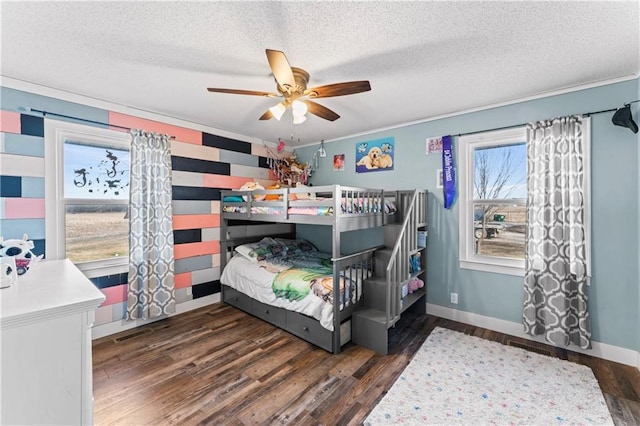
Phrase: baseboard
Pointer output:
(122, 325)
(600, 350)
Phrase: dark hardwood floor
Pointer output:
(218, 365)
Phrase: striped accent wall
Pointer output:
(203, 164)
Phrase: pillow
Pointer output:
(233, 199)
(296, 246)
(264, 249)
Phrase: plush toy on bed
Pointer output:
(252, 186)
(273, 197)
(414, 284)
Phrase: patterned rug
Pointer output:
(459, 379)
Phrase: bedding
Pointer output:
(300, 281)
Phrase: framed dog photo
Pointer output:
(375, 155)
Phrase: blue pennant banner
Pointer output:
(448, 172)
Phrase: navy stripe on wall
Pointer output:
(202, 166)
(225, 143)
(111, 280)
(31, 125)
(205, 289)
(195, 193)
(187, 236)
(10, 186)
(38, 247)
(262, 162)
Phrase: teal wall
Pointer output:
(614, 295)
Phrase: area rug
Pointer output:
(459, 379)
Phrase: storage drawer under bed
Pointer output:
(237, 299)
(308, 329)
(271, 314)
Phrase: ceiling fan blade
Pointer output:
(338, 89)
(321, 111)
(281, 69)
(266, 116)
(243, 92)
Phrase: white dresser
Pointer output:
(45, 346)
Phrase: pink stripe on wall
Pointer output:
(194, 221)
(223, 181)
(181, 134)
(180, 251)
(24, 208)
(9, 122)
(115, 294)
(183, 280)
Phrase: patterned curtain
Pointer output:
(151, 269)
(555, 284)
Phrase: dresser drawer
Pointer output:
(271, 314)
(234, 298)
(308, 329)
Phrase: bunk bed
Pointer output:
(258, 245)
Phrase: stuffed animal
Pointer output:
(273, 197)
(20, 250)
(252, 186)
(414, 284)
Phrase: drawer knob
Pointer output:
(266, 311)
(236, 298)
(305, 328)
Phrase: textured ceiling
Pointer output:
(423, 59)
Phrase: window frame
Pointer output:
(55, 134)
(467, 145)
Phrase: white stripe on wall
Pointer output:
(21, 165)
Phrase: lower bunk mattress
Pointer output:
(302, 284)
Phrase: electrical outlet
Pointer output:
(454, 298)
(189, 291)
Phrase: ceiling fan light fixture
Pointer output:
(299, 109)
(278, 110)
(299, 118)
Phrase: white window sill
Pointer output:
(104, 268)
(492, 267)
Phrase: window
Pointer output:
(493, 195)
(87, 196)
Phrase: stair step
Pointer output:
(391, 232)
(369, 329)
(375, 290)
(382, 260)
(374, 315)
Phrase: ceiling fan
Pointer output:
(292, 86)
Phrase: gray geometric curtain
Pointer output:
(151, 263)
(555, 283)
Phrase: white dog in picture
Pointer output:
(375, 159)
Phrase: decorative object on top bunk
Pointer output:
(376, 155)
(288, 171)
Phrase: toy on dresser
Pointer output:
(20, 250)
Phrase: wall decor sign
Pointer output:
(434, 145)
(448, 172)
(338, 163)
(375, 156)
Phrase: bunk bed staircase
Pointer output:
(386, 295)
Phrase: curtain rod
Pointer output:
(586, 114)
(86, 120)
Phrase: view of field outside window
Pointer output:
(96, 197)
(499, 206)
